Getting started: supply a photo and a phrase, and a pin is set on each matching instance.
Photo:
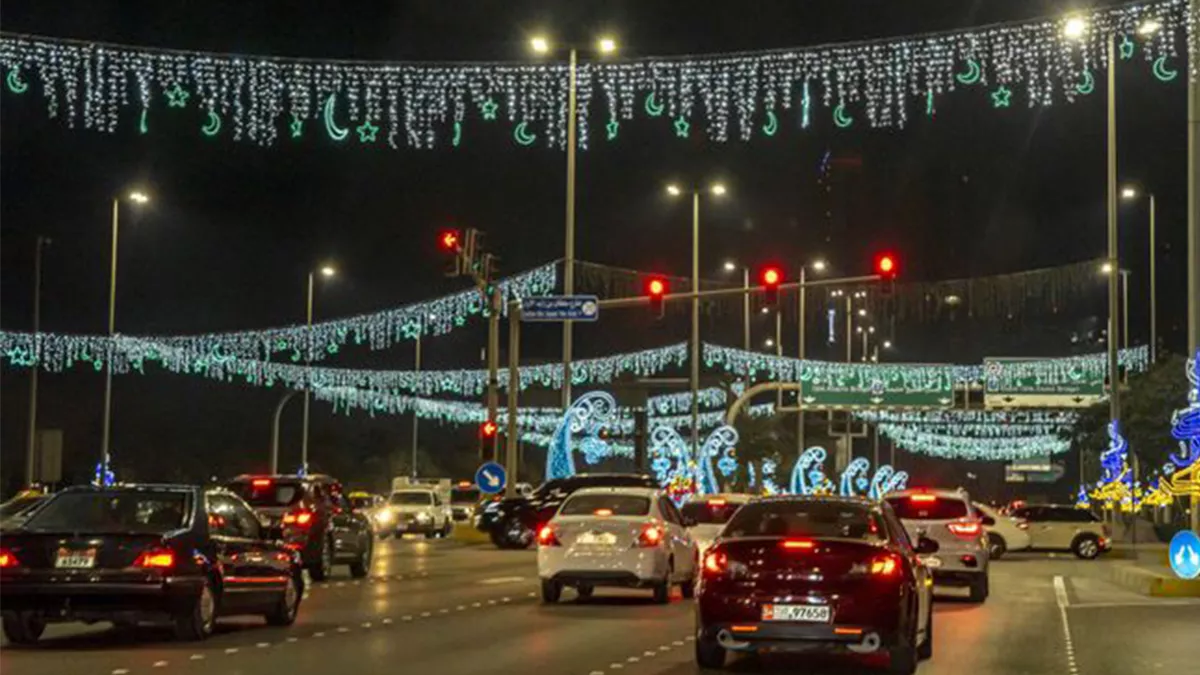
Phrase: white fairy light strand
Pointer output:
(424, 105)
(947, 446)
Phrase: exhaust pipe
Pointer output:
(870, 643)
(726, 640)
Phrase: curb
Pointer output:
(1153, 583)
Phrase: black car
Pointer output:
(138, 553)
(316, 518)
(512, 522)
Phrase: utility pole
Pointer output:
(1193, 225)
(415, 418)
(844, 457)
(31, 445)
(569, 253)
(801, 294)
(695, 351)
(493, 359)
(511, 461)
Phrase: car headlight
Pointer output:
(385, 516)
(423, 517)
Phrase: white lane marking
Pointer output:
(406, 617)
(160, 664)
(231, 650)
(196, 657)
(343, 629)
(633, 659)
(120, 671)
(616, 666)
(340, 584)
(426, 614)
(500, 580)
(596, 672)
(649, 653)
(260, 645)
(293, 639)
(1060, 597)
(1135, 603)
(366, 624)
(690, 638)
(460, 608)
(357, 583)
(476, 604)
(491, 602)
(387, 621)
(506, 599)
(319, 634)
(678, 643)
(443, 611)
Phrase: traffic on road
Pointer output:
(616, 579)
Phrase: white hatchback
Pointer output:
(1004, 533)
(616, 536)
(707, 515)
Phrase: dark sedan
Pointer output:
(815, 573)
(144, 553)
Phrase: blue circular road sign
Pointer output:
(1184, 553)
(490, 477)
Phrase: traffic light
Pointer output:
(656, 288)
(449, 240)
(771, 277)
(886, 266)
(488, 429)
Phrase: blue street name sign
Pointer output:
(560, 308)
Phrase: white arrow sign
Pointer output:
(493, 481)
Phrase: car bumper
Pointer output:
(949, 563)
(632, 568)
(797, 637)
(100, 599)
(414, 528)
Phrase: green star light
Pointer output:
(1001, 98)
(681, 127)
(1127, 47)
(489, 108)
(177, 96)
(297, 126)
(612, 128)
(366, 132)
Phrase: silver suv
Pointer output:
(946, 516)
(1065, 528)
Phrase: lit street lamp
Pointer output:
(137, 197)
(327, 272)
(1130, 193)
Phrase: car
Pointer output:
(1004, 533)
(316, 518)
(632, 537)
(710, 513)
(514, 522)
(419, 510)
(815, 573)
(1065, 528)
(464, 498)
(370, 506)
(949, 518)
(145, 553)
(16, 510)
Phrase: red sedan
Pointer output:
(802, 573)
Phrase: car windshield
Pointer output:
(111, 511)
(261, 492)
(802, 519)
(928, 507)
(464, 495)
(411, 498)
(18, 505)
(606, 504)
(714, 512)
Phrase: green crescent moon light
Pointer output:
(214, 124)
(1161, 72)
(974, 73)
(14, 82)
(335, 132)
(521, 135)
(143, 127)
(653, 108)
(772, 124)
(457, 134)
(839, 116)
(1088, 85)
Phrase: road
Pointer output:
(445, 608)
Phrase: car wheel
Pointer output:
(902, 657)
(448, 528)
(979, 588)
(551, 591)
(997, 547)
(1086, 547)
(925, 651)
(196, 622)
(585, 591)
(323, 568)
(361, 566)
(688, 589)
(285, 609)
(709, 654)
(516, 534)
(23, 628)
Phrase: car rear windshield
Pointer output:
(709, 512)
(268, 493)
(802, 519)
(928, 507)
(111, 512)
(464, 495)
(411, 498)
(614, 505)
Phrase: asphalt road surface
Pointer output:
(444, 608)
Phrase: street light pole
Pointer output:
(31, 444)
(746, 309)
(695, 355)
(1124, 309)
(307, 378)
(1114, 398)
(415, 419)
(801, 294)
(1153, 284)
(275, 430)
(569, 253)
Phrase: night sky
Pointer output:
(234, 228)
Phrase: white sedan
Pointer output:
(622, 537)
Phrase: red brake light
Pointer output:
(715, 562)
(301, 518)
(922, 499)
(966, 530)
(157, 558)
(716, 502)
(885, 566)
(602, 512)
(651, 536)
(7, 559)
(547, 537)
(261, 482)
(798, 544)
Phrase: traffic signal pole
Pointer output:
(493, 364)
(511, 461)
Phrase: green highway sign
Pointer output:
(879, 387)
(1030, 383)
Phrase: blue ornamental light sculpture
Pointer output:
(854, 479)
(1185, 423)
(588, 415)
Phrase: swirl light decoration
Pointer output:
(720, 444)
(673, 464)
(424, 105)
(1185, 422)
(854, 478)
(808, 475)
(588, 415)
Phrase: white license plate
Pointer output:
(75, 559)
(810, 613)
(932, 562)
(598, 539)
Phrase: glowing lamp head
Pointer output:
(328, 271)
(138, 197)
(719, 189)
(819, 265)
(674, 190)
(886, 265)
(1075, 27)
(540, 44)
(1129, 192)
(606, 45)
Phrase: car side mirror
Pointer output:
(925, 546)
(989, 521)
(272, 532)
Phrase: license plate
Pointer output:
(598, 538)
(932, 562)
(75, 558)
(809, 613)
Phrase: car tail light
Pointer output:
(548, 537)
(922, 499)
(717, 502)
(301, 518)
(715, 562)
(651, 536)
(966, 530)
(156, 558)
(261, 482)
(798, 544)
(7, 559)
(602, 512)
(885, 566)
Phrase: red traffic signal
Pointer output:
(449, 240)
(771, 277)
(886, 265)
(488, 429)
(656, 288)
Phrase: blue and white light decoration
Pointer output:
(886, 480)
(808, 475)
(588, 415)
(676, 469)
(769, 486)
(854, 479)
(1185, 423)
(104, 475)
(720, 443)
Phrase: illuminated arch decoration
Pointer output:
(588, 415)
(808, 475)
(672, 462)
(885, 480)
(418, 104)
(854, 478)
(719, 444)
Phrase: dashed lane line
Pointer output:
(1060, 597)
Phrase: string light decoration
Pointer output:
(808, 474)
(977, 423)
(422, 105)
(1185, 422)
(948, 446)
(588, 415)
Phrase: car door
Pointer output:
(236, 552)
(923, 577)
(1041, 528)
(1068, 522)
(342, 522)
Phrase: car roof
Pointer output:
(632, 491)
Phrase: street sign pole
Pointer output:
(514, 388)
